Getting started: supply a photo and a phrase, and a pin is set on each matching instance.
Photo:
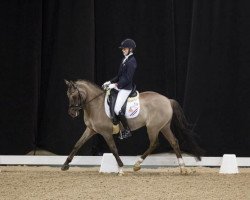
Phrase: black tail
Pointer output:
(182, 130)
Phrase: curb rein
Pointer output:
(82, 105)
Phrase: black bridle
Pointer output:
(82, 103)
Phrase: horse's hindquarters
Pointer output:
(155, 111)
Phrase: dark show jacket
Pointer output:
(124, 79)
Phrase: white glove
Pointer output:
(106, 84)
(112, 85)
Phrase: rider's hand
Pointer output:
(106, 84)
(112, 85)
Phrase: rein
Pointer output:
(94, 97)
(82, 105)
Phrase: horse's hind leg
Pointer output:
(168, 134)
(88, 133)
(153, 139)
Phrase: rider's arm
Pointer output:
(114, 80)
(127, 75)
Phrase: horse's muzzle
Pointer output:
(73, 113)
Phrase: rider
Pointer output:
(123, 82)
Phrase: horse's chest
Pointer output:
(87, 120)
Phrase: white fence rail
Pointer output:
(153, 160)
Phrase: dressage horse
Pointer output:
(157, 113)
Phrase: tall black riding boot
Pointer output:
(112, 100)
(126, 132)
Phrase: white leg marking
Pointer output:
(140, 160)
(120, 172)
(181, 162)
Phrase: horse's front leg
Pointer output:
(111, 143)
(88, 133)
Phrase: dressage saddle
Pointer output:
(121, 117)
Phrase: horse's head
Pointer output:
(76, 98)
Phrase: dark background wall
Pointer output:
(197, 52)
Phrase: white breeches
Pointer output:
(121, 98)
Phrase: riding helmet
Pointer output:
(128, 43)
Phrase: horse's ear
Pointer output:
(67, 82)
(73, 84)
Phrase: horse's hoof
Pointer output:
(65, 167)
(120, 173)
(137, 167)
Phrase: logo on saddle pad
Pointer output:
(132, 107)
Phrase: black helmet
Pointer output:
(128, 43)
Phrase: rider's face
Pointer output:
(125, 51)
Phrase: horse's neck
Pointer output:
(94, 99)
(92, 92)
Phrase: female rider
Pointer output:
(123, 82)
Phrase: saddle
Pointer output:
(130, 109)
(112, 99)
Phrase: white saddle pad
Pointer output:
(132, 108)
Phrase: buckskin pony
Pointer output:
(157, 113)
